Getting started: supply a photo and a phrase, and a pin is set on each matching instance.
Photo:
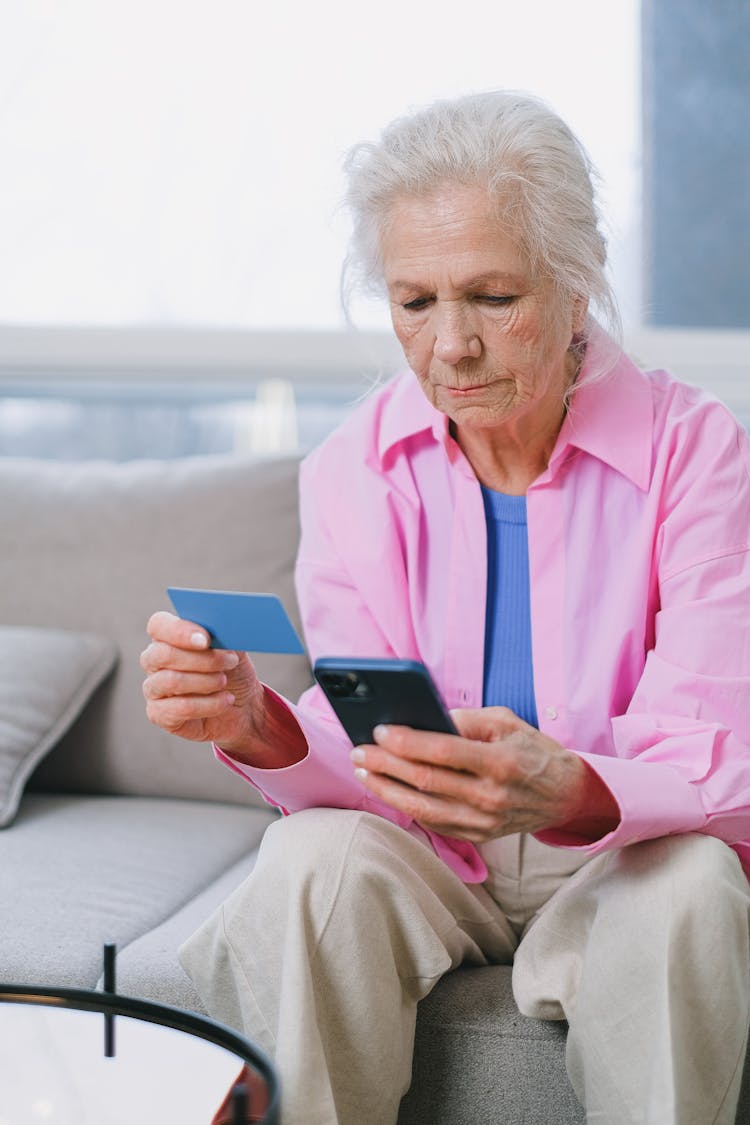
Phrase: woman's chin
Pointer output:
(479, 410)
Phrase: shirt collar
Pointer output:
(408, 413)
(610, 417)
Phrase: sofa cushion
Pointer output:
(94, 546)
(477, 1059)
(76, 872)
(46, 678)
(149, 967)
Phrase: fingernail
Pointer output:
(380, 733)
(360, 774)
(357, 754)
(231, 660)
(200, 640)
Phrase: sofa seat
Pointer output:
(152, 856)
(478, 1061)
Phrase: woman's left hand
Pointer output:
(498, 776)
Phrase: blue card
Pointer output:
(245, 622)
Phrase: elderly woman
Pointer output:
(564, 541)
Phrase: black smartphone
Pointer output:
(365, 692)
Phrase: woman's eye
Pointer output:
(419, 303)
(494, 299)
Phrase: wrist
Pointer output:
(597, 812)
(274, 740)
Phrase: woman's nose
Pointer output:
(455, 337)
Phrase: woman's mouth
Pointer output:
(461, 392)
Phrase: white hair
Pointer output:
(529, 161)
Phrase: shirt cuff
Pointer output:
(323, 778)
(654, 800)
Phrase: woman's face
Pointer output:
(487, 340)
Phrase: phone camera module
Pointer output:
(346, 685)
(361, 689)
(340, 685)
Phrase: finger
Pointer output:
(168, 683)
(160, 655)
(486, 792)
(423, 776)
(446, 750)
(175, 712)
(487, 724)
(440, 814)
(175, 631)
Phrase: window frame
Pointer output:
(47, 360)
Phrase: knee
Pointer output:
(697, 875)
(320, 855)
(297, 873)
(692, 858)
(323, 869)
(325, 852)
(305, 846)
(303, 837)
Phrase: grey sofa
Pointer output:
(126, 834)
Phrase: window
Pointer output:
(177, 163)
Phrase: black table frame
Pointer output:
(110, 1005)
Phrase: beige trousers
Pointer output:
(347, 921)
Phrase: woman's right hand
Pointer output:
(200, 693)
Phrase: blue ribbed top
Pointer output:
(508, 671)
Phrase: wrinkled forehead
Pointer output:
(456, 226)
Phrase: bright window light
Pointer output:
(178, 163)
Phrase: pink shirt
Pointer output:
(639, 552)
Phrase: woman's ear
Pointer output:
(580, 308)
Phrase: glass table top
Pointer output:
(54, 1066)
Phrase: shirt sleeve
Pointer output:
(682, 748)
(336, 621)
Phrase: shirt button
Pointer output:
(551, 712)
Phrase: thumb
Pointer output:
(487, 724)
